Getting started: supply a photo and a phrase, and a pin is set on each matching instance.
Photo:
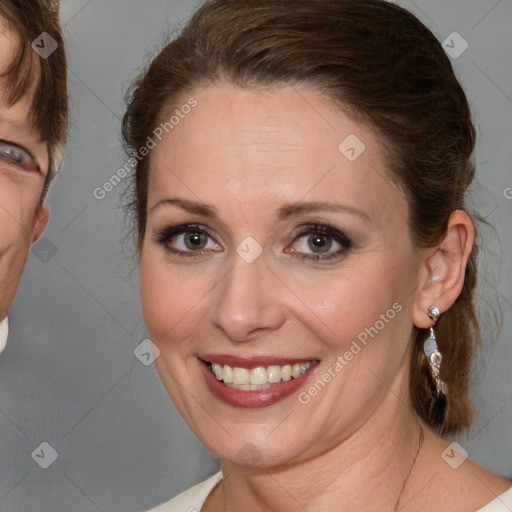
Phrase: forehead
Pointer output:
(15, 116)
(10, 52)
(234, 121)
(9, 43)
(248, 128)
(284, 143)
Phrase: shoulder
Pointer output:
(447, 476)
(192, 499)
(503, 503)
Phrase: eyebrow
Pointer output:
(23, 126)
(313, 206)
(189, 206)
(284, 212)
(14, 122)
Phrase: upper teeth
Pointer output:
(260, 375)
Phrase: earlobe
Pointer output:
(40, 221)
(445, 268)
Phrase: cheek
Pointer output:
(361, 317)
(157, 297)
(343, 303)
(171, 300)
(361, 330)
(16, 218)
(351, 316)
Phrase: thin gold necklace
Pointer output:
(421, 437)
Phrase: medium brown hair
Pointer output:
(49, 110)
(374, 59)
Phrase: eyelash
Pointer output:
(323, 229)
(33, 164)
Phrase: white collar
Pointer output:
(4, 332)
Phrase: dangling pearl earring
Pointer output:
(432, 353)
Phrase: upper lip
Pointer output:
(252, 362)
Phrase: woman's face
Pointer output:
(275, 238)
(23, 166)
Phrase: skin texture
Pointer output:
(248, 153)
(22, 217)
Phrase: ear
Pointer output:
(40, 221)
(443, 269)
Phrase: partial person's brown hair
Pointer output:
(28, 19)
(381, 65)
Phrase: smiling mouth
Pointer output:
(259, 377)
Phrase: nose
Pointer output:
(246, 301)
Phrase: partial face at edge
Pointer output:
(23, 167)
(323, 279)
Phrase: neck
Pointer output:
(366, 471)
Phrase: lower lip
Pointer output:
(252, 399)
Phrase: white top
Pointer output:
(193, 499)
(4, 332)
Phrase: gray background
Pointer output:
(69, 376)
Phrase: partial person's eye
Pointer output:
(319, 242)
(187, 240)
(20, 157)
